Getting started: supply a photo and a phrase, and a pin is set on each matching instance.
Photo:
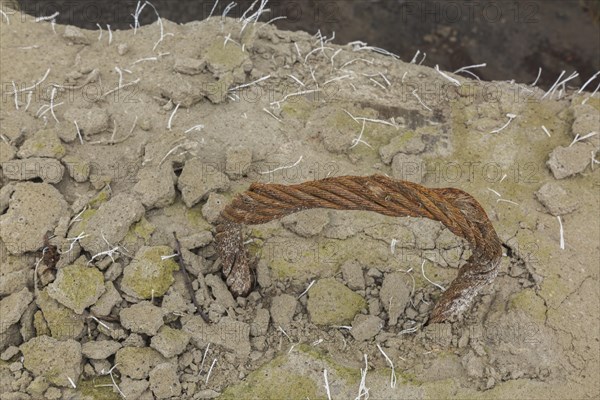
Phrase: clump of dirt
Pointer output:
(113, 141)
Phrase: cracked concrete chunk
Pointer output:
(260, 323)
(12, 307)
(568, 161)
(214, 205)
(283, 308)
(137, 362)
(48, 170)
(107, 301)
(164, 381)
(143, 317)
(170, 342)
(77, 287)
(111, 222)
(133, 388)
(220, 291)
(365, 327)
(352, 272)
(148, 275)
(91, 121)
(34, 209)
(156, 187)
(198, 180)
(100, 349)
(332, 303)
(43, 143)
(62, 322)
(556, 199)
(229, 333)
(56, 360)
(307, 223)
(395, 295)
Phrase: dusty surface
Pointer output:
(167, 150)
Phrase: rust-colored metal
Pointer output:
(456, 209)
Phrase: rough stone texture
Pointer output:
(54, 359)
(364, 327)
(137, 362)
(156, 187)
(331, 303)
(260, 323)
(307, 223)
(189, 66)
(100, 349)
(91, 120)
(147, 274)
(198, 180)
(143, 317)
(556, 199)
(12, 307)
(195, 240)
(568, 161)
(48, 170)
(408, 167)
(394, 295)
(77, 167)
(164, 381)
(62, 322)
(214, 205)
(220, 291)
(133, 388)
(75, 35)
(283, 308)
(111, 222)
(7, 152)
(43, 143)
(107, 301)
(229, 333)
(407, 142)
(352, 273)
(77, 287)
(170, 342)
(237, 161)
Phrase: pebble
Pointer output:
(170, 342)
(283, 308)
(143, 317)
(352, 273)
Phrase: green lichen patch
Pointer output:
(332, 303)
(44, 143)
(148, 275)
(101, 387)
(77, 287)
(224, 58)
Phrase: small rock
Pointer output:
(263, 274)
(122, 49)
(220, 291)
(56, 360)
(408, 142)
(38, 386)
(91, 121)
(48, 170)
(237, 161)
(260, 323)
(214, 205)
(137, 362)
(352, 273)
(568, 161)
(53, 393)
(473, 365)
(133, 388)
(228, 332)
(62, 322)
(111, 222)
(408, 167)
(43, 143)
(283, 308)
(364, 327)
(134, 340)
(107, 301)
(100, 349)
(555, 199)
(331, 303)
(198, 239)
(164, 381)
(78, 168)
(394, 295)
(174, 303)
(156, 187)
(198, 179)
(143, 317)
(147, 275)
(170, 342)
(75, 35)
(307, 223)
(12, 307)
(9, 353)
(77, 287)
(189, 66)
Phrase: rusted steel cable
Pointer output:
(456, 209)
